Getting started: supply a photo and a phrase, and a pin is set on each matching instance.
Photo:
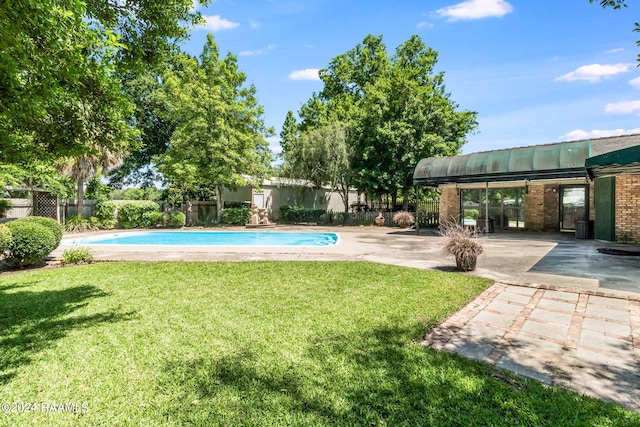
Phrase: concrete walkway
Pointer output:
(560, 311)
(585, 341)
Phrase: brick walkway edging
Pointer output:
(607, 294)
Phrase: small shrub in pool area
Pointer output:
(31, 242)
(293, 214)
(339, 218)
(177, 220)
(77, 224)
(105, 211)
(77, 256)
(236, 216)
(50, 223)
(155, 219)
(132, 214)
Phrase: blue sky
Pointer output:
(535, 71)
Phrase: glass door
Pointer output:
(573, 205)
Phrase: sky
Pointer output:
(536, 72)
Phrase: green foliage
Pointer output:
(50, 223)
(5, 206)
(178, 219)
(471, 213)
(236, 216)
(97, 190)
(146, 193)
(77, 256)
(339, 218)
(5, 238)
(220, 132)
(323, 155)
(31, 243)
(132, 214)
(155, 219)
(294, 214)
(105, 211)
(77, 224)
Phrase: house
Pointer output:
(592, 184)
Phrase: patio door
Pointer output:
(573, 205)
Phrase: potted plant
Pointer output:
(404, 219)
(379, 219)
(462, 244)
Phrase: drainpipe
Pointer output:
(486, 207)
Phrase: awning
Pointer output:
(551, 161)
(625, 161)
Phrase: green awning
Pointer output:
(625, 161)
(560, 160)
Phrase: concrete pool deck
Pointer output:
(530, 258)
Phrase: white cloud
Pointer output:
(424, 24)
(255, 24)
(614, 50)
(578, 134)
(274, 144)
(594, 73)
(216, 23)
(306, 74)
(623, 107)
(635, 82)
(475, 9)
(257, 52)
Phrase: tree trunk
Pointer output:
(80, 201)
(219, 203)
(405, 199)
(394, 199)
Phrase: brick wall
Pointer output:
(551, 207)
(449, 204)
(628, 208)
(534, 208)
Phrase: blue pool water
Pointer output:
(210, 238)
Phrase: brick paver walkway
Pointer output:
(585, 341)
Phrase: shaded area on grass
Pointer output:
(379, 376)
(30, 321)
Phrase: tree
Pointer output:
(60, 63)
(397, 111)
(324, 156)
(220, 135)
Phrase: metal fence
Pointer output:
(427, 214)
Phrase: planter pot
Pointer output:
(379, 221)
(468, 264)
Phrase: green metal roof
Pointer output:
(617, 162)
(560, 160)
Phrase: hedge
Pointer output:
(5, 238)
(132, 214)
(300, 214)
(236, 216)
(31, 242)
(50, 223)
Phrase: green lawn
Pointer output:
(256, 343)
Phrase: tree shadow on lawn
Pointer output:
(32, 321)
(376, 377)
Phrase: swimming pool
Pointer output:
(209, 238)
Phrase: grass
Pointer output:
(257, 344)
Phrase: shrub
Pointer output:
(153, 219)
(300, 214)
(471, 213)
(236, 216)
(105, 211)
(462, 244)
(50, 223)
(77, 256)
(404, 219)
(131, 214)
(5, 206)
(77, 224)
(31, 243)
(5, 238)
(178, 219)
(339, 218)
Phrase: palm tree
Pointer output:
(83, 168)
